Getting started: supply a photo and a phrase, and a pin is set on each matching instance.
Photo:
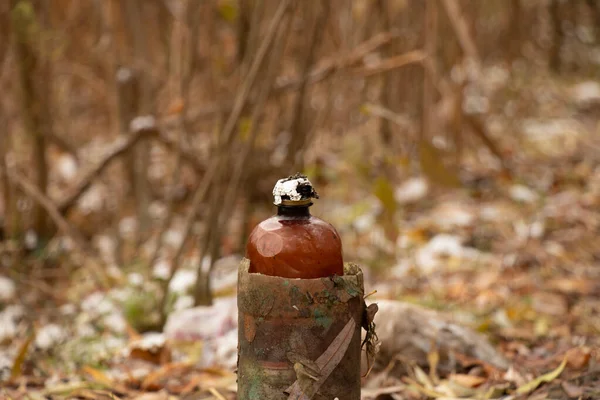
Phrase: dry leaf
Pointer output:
(571, 390)
(418, 388)
(469, 381)
(550, 303)
(432, 166)
(433, 358)
(573, 285)
(549, 377)
(162, 395)
(154, 379)
(15, 371)
(423, 378)
(98, 376)
(578, 357)
(384, 191)
(176, 107)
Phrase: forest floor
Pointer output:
(515, 259)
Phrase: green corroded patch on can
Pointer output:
(322, 318)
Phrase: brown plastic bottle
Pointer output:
(293, 243)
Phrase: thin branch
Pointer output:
(399, 61)
(297, 130)
(476, 124)
(244, 90)
(63, 225)
(62, 143)
(431, 33)
(186, 78)
(217, 162)
(478, 127)
(382, 112)
(178, 147)
(120, 146)
(461, 29)
(240, 170)
(327, 68)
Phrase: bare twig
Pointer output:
(244, 90)
(63, 225)
(212, 236)
(62, 143)
(297, 128)
(391, 63)
(127, 99)
(557, 34)
(178, 147)
(476, 124)
(327, 68)
(118, 147)
(187, 74)
(240, 170)
(478, 127)
(382, 112)
(133, 11)
(386, 96)
(185, 82)
(431, 32)
(461, 29)
(34, 74)
(254, 34)
(228, 130)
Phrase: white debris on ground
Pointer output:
(9, 319)
(97, 303)
(219, 337)
(449, 215)
(523, 194)
(8, 289)
(225, 273)
(173, 238)
(106, 245)
(434, 255)
(102, 308)
(161, 269)
(552, 137)
(183, 280)
(412, 190)
(66, 167)
(152, 342)
(585, 92)
(94, 198)
(128, 227)
(49, 336)
(157, 210)
(191, 324)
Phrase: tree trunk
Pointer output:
(557, 35)
(34, 78)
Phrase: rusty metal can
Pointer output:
(300, 338)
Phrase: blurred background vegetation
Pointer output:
(146, 135)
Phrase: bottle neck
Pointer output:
(294, 211)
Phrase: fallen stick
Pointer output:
(63, 225)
